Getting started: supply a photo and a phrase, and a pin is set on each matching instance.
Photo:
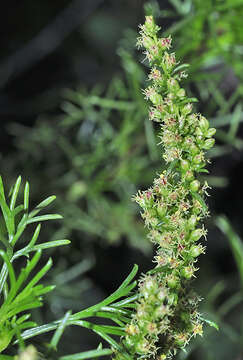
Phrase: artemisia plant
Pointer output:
(167, 315)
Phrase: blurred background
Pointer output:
(74, 123)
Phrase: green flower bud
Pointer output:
(171, 95)
(203, 123)
(196, 234)
(187, 109)
(196, 250)
(208, 144)
(161, 311)
(169, 60)
(161, 295)
(156, 98)
(150, 284)
(192, 222)
(181, 93)
(185, 165)
(172, 281)
(150, 24)
(130, 341)
(187, 272)
(198, 159)
(211, 132)
(148, 42)
(153, 221)
(189, 175)
(141, 313)
(172, 84)
(194, 185)
(192, 119)
(199, 131)
(172, 299)
(161, 210)
(197, 207)
(193, 149)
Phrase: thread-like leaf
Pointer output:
(44, 218)
(59, 331)
(42, 205)
(8, 217)
(15, 193)
(87, 355)
(2, 189)
(26, 195)
(51, 244)
(10, 268)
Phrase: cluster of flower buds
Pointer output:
(166, 315)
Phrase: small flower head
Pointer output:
(198, 329)
(155, 75)
(152, 328)
(132, 330)
(169, 60)
(165, 43)
(150, 27)
(162, 357)
(181, 339)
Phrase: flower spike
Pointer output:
(166, 315)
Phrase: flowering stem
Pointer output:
(166, 315)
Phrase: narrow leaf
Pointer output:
(9, 267)
(210, 323)
(180, 68)
(2, 189)
(15, 193)
(26, 195)
(87, 354)
(59, 331)
(39, 275)
(44, 218)
(51, 244)
(7, 216)
(42, 205)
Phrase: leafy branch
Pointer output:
(18, 292)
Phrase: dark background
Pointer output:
(48, 46)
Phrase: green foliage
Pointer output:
(97, 148)
(117, 307)
(211, 29)
(95, 151)
(19, 294)
(101, 149)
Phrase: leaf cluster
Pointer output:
(21, 292)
